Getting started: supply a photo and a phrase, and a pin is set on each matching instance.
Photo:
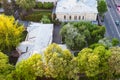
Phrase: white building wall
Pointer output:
(84, 16)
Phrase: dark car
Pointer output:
(109, 5)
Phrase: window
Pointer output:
(70, 17)
(83, 18)
(79, 17)
(64, 17)
(75, 17)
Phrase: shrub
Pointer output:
(115, 41)
(45, 19)
(48, 5)
(39, 5)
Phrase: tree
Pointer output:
(10, 33)
(7, 7)
(5, 67)
(115, 41)
(60, 64)
(106, 42)
(114, 63)
(78, 35)
(26, 4)
(102, 7)
(39, 5)
(93, 62)
(29, 69)
(45, 19)
(48, 5)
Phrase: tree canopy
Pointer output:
(29, 69)
(26, 4)
(5, 67)
(114, 63)
(60, 64)
(102, 7)
(93, 62)
(78, 35)
(10, 33)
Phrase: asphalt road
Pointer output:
(112, 15)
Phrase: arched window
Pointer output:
(70, 17)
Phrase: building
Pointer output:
(75, 10)
(38, 38)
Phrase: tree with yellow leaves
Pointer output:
(10, 33)
(60, 64)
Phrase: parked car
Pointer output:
(118, 8)
(117, 22)
(109, 5)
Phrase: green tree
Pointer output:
(29, 69)
(48, 5)
(45, 19)
(114, 63)
(26, 4)
(10, 33)
(94, 62)
(115, 41)
(5, 67)
(78, 35)
(39, 5)
(60, 64)
(102, 7)
(106, 42)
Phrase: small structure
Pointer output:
(75, 10)
(38, 38)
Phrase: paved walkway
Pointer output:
(56, 36)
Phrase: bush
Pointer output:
(48, 5)
(45, 19)
(39, 5)
(115, 41)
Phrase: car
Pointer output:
(109, 5)
(117, 22)
(118, 8)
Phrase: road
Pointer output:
(112, 30)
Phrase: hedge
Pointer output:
(45, 5)
(35, 17)
(39, 5)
